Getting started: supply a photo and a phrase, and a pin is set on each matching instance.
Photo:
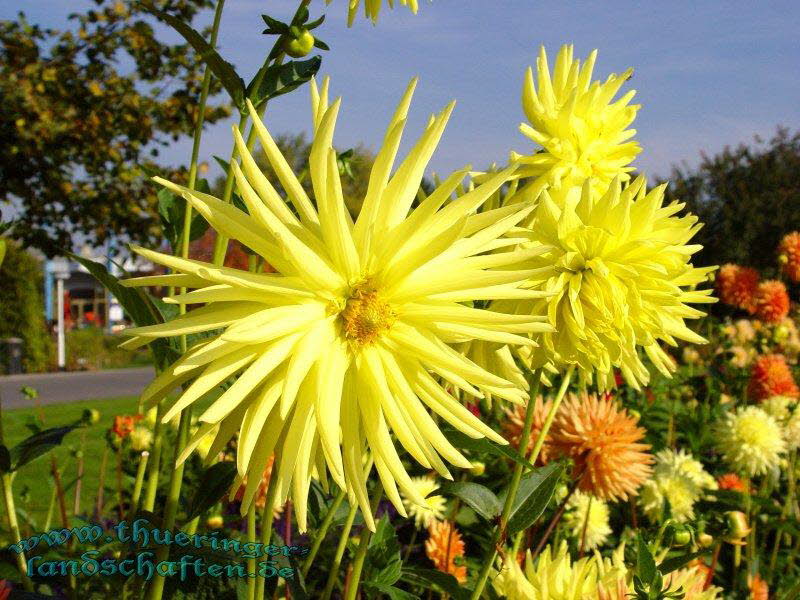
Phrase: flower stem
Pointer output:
(251, 562)
(501, 529)
(154, 464)
(267, 517)
(322, 532)
(361, 552)
(333, 573)
(137, 486)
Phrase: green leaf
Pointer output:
(222, 163)
(272, 81)
(223, 70)
(383, 564)
(387, 591)
(442, 581)
(2, 251)
(480, 498)
(535, 491)
(134, 301)
(645, 563)
(172, 210)
(676, 562)
(215, 482)
(37, 445)
(318, 43)
(483, 446)
(274, 25)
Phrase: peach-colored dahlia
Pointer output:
(605, 443)
(771, 376)
(771, 302)
(442, 535)
(737, 286)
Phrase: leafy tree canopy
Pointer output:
(85, 111)
(748, 197)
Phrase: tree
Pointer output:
(80, 131)
(748, 197)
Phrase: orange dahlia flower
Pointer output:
(771, 376)
(731, 481)
(789, 255)
(759, 590)
(737, 286)
(124, 424)
(443, 546)
(512, 427)
(771, 302)
(605, 443)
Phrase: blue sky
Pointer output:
(706, 73)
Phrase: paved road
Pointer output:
(59, 388)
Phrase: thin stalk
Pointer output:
(501, 529)
(251, 562)
(333, 573)
(171, 506)
(50, 507)
(119, 482)
(266, 518)
(76, 506)
(585, 526)
(137, 486)
(361, 553)
(323, 530)
(101, 484)
(154, 464)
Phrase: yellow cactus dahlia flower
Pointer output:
(617, 277)
(581, 128)
(372, 8)
(342, 345)
(554, 576)
(434, 507)
(750, 441)
(680, 480)
(597, 528)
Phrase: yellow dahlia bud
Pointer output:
(737, 527)
(215, 522)
(141, 438)
(478, 468)
(299, 45)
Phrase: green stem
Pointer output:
(323, 530)
(154, 464)
(137, 486)
(501, 530)
(333, 573)
(361, 553)
(267, 518)
(171, 506)
(251, 562)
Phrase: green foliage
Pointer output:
(79, 128)
(93, 348)
(22, 306)
(747, 197)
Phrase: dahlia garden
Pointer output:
(506, 384)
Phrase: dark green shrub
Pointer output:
(22, 307)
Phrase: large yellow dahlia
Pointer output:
(349, 340)
(617, 278)
(581, 128)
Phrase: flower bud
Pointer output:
(477, 468)
(678, 535)
(91, 415)
(215, 522)
(737, 527)
(704, 540)
(300, 44)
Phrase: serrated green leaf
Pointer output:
(480, 498)
(534, 494)
(441, 581)
(676, 562)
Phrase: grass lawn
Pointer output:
(33, 484)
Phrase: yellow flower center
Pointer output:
(366, 316)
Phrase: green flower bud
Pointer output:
(299, 45)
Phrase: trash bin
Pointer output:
(11, 355)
